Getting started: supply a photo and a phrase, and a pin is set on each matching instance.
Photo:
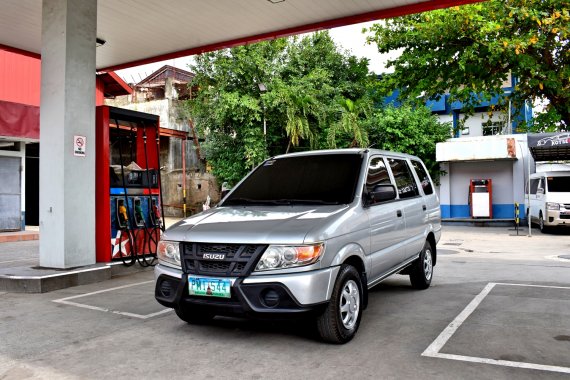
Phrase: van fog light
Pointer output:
(270, 298)
(165, 288)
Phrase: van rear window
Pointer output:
(558, 184)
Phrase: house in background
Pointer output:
(185, 182)
(20, 78)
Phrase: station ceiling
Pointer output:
(138, 32)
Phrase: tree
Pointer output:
(411, 129)
(472, 49)
(302, 78)
(351, 121)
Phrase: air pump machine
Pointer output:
(128, 201)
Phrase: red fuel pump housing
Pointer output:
(127, 201)
(481, 198)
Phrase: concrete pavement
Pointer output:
(507, 299)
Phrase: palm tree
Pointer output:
(350, 121)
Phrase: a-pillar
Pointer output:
(67, 110)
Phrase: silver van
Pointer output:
(304, 235)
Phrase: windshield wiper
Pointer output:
(241, 201)
(283, 201)
(304, 202)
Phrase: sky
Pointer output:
(348, 37)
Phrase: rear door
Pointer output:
(10, 193)
(387, 226)
(411, 204)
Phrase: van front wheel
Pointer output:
(422, 269)
(541, 225)
(341, 318)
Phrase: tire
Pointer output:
(194, 317)
(541, 225)
(341, 319)
(422, 269)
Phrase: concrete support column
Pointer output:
(67, 109)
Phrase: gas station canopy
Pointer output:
(133, 32)
(549, 146)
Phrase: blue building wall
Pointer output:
(500, 211)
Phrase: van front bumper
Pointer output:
(257, 295)
(557, 218)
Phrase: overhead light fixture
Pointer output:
(100, 42)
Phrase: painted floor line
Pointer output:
(504, 363)
(434, 348)
(66, 301)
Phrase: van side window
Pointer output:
(533, 185)
(377, 174)
(424, 177)
(405, 182)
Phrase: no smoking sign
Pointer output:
(79, 146)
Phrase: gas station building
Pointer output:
(76, 39)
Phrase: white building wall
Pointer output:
(509, 175)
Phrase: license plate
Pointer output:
(209, 287)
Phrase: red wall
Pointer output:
(19, 78)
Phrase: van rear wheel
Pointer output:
(422, 269)
(340, 320)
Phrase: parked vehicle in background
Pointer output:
(304, 235)
(549, 199)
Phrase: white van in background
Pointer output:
(549, 199)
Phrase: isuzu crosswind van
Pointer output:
(304, 235)
(549, 199)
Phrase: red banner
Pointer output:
(19, 120)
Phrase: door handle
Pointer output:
(424, 207)
(399, 213)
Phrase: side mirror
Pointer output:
(382, 193)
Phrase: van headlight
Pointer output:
(552, 206)
(169, 252)
(287, 256)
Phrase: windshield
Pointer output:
(559, 184)
(319, 179)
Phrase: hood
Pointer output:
(254, 224)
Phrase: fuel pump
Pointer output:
(130, 188)
(481, 198)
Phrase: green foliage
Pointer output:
(303, 77)
(409, 129)
(472, 48)
(351, 121)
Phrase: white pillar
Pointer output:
(67, 182)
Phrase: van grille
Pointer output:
(238, 259)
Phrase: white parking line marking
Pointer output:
(66, 301)
(441, 340)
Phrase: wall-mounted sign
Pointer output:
(79, 143)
